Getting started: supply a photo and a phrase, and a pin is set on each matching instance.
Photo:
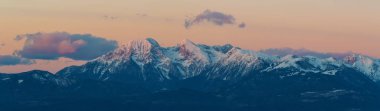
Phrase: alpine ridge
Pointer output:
(188, 59)
(143, 75)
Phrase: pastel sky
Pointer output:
(320, 25)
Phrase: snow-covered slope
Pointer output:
(149, 60)
(185, 60)
(306, 64)
(368, 65)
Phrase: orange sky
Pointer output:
(321, 25)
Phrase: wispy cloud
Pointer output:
(52, 46)
(214, 17)
(108, 17)
(142, 14)
(6, 60)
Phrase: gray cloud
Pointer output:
(242, 25)
(51, 46)
(107, 17)
(6, 60)
(304, 52)
(217, 18)
(19, 37)
(2, 45)
(142, 14)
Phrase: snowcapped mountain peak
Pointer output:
(357, 58)
(189, 59)
(368, 65)
(145, 44)
(190, 50)
(288, 61)
(187, 42)
(224, 48)
(289, 57)
(351, 59)
(188, 47)
(138, 50)
(307, 64)
(238, 54)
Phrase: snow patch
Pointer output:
(20, 81)
(5, 79)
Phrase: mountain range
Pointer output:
(143, 75)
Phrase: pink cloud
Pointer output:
(62, 44)
(68, 46)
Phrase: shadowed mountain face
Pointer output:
(145, 76)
